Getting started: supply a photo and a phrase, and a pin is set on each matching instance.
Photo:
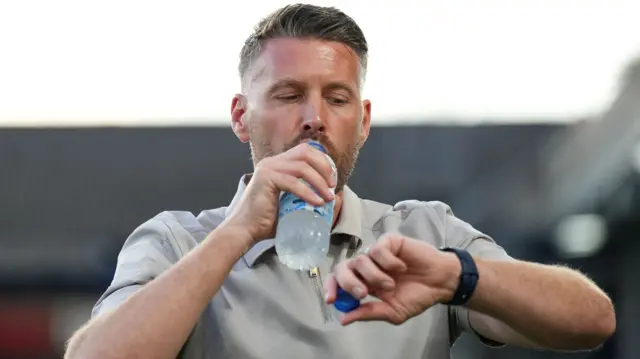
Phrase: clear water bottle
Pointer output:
(304, 230)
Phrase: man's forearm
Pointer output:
(156, 321)
(553, 307)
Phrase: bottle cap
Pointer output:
(318, 146)
(345, 302)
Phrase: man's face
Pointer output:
(300, 89)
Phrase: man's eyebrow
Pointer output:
(286, 83)
(338, 85)
(292, 83)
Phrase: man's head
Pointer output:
(302, 72)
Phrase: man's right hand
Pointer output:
(257, 211)
(181, 290)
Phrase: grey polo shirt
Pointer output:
(265, 310)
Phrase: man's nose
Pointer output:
(312, 120)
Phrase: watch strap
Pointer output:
(468, 277)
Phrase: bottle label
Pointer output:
(290, 203)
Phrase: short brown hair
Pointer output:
(305, 21)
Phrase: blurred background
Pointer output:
(524, 116)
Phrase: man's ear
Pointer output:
(366, 121)
(239, 119)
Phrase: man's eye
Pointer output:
(337, 101)
(289, 98)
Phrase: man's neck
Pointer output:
(337, 207)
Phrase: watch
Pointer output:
(468, 276)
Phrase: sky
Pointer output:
(155, 62)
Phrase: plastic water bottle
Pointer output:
(304, 230)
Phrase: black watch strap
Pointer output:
(468, 277)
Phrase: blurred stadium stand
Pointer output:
(70, 197)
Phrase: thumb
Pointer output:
(371, 311)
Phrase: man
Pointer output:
(212, 287)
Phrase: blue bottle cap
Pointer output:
(318, 146)
(345, 302)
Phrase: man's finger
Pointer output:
(349, 281)
(288, 183)
(317, 160)
(371, 311)
(303, 170)
(330, 289)
(373, 276)
(386, 260)
(391, 241)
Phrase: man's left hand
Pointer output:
(408, 276)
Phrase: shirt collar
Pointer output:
(351, 222)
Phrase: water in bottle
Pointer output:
(304, 230)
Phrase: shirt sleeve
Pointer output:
(147, 252)
(460, 234)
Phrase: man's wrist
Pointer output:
(452, 270)
(236, 236)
